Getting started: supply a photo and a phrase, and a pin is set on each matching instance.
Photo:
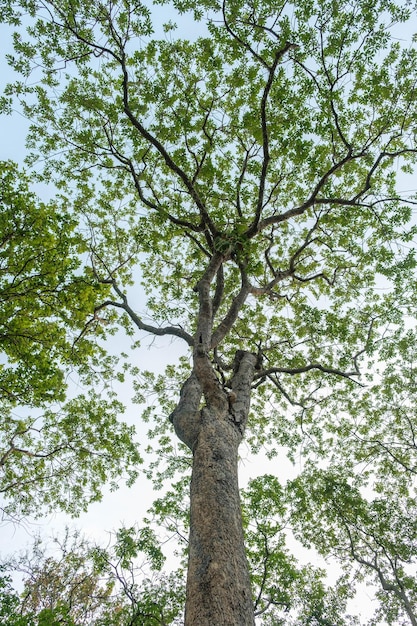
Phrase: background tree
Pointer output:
(80, 583)
(366, 507)
(9, 603)
(55, 450)
(247, 180)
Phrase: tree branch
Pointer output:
(241, 383)
(243, 43)
(229, 319)
(153, 141)
(154, 330)
(205, 315)
(253, 228)
(277, 219)
(120, 58)
(397, 589)
(307, 368)
(212, 389)
(218, 294)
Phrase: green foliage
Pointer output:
(86, 584)
(285, 591)
(9, 604)
(45, 297)
(54, 451)
(63, 457)
(377, 534)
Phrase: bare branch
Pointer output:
(229, 319)
(307, 368)
(253, 228)
(154, 330)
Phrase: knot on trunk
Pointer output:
(186, 415)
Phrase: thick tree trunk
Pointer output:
(218, 583)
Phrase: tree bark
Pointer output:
(218, 582)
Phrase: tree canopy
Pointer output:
(83, 583)
(249, 180)
(56, 449)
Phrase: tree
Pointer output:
(377, 534)
(247, 180)
(81, 583)
(46, 436)
(9, 602)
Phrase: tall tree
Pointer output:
(246, 178)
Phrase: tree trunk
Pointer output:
(218, 584)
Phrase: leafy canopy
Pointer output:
(47, 434)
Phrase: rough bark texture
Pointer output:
(218, 584)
